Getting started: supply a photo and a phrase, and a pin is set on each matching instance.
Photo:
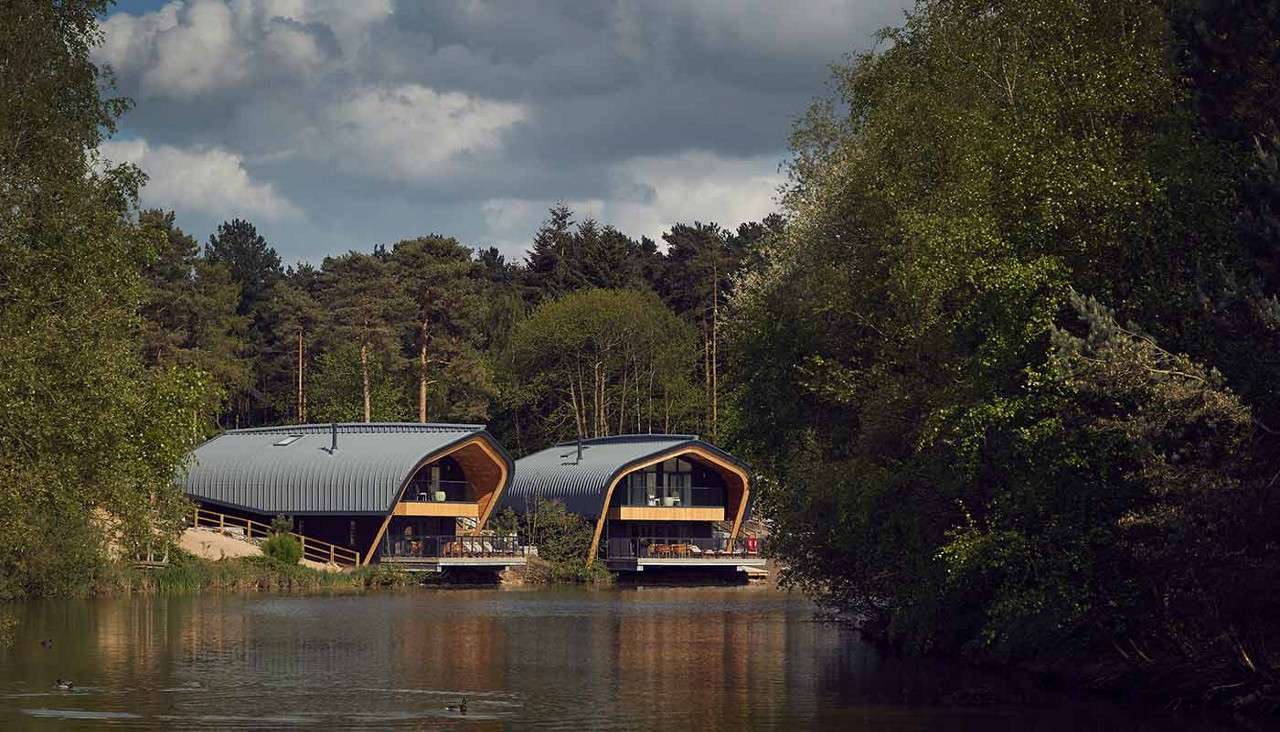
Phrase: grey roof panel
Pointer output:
(555, 473)
(246, 469)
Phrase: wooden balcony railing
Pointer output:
(455, 491)
(252, 531)
(435, 547)
(696, 496)
(744, 547)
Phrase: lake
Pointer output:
(669, 658)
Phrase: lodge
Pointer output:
(418, 495)
(653, 500)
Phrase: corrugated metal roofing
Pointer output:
(247, 469)
(556, 473)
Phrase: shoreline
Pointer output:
(1178, 687)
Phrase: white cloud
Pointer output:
(181, 50)
(411, 132)
(510, 218)
(128, 40)
(652, 193)
(696, 185)
(188, 49)
(211, 181)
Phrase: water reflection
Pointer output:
(709, 658)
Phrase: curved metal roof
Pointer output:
(556, 473)
(247, 469)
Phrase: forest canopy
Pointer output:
(1010, 370)
(1004, 364)
(124, 341)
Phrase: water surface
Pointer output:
(674, 659)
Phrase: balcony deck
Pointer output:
(437, 553)
(635, 554)
(445, 499)
(667, 513)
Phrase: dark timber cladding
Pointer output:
(583, 475)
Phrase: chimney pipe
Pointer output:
(333, 433)
(579, 450)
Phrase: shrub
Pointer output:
(381, 575)
(559, 535)
(506, 521)
(283, 548)
(541, 572)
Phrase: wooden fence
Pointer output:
(314, 550)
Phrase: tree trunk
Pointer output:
(637, 380)
(715, 327)
(595, 397)
(622, 401)
(666, 412)
(577, 413)
(364, 374)
(583, 430)
(302, 404)
(706, 374)
(652, 373)
(515, 422)
(422, 375)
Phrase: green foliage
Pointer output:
(559, 535)
(336, 388)
(90, 438)
(541, 572)
(8, 630)
(283, 548)
(253, 265)
(282, 545)
(506, 521)
(958, 448)
(189, 308)
(563, 540)
(187, 574)
(440, 327)
(599, 362)
(289, 319)
(382, 575)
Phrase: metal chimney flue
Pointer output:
(333, 434)
(579, 449)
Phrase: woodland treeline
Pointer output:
(124, 340)
(593, 333)
(1005, 365)
(1011, 372)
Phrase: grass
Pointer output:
(185, 574)
(189, 574)
(542, 572)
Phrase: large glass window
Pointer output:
(674, 482)
(642, 488)
(442, 480)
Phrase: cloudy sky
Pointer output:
(340, 124)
